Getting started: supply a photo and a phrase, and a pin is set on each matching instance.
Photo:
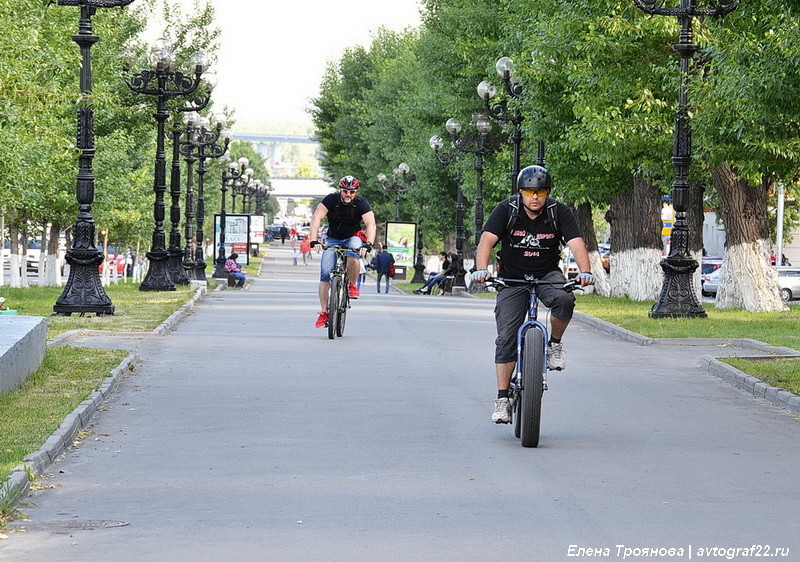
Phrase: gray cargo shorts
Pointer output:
(511, 307)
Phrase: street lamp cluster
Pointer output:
(198, 138)
(401, 180)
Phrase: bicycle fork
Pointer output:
(516, 380)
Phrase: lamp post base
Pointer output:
(177, 273)
(84, 292)
(678, 298)
(157, 278)
(219, 269)
(419, 273)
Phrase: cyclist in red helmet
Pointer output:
(345, 212)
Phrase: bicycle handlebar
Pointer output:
(568, 286)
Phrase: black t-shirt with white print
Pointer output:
(533, 246)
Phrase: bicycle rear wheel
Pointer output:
(341, 311)
(333, 306)
(532, 386)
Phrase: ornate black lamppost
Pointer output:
(206, 148)
(395, 187)
(480, 145)
(402, 172)
(235, 171)
(163, 83)
(83, 292)
(445, 158)
(678, 298)
(499, 111)
(201, 133)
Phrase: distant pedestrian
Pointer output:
(305, 249)
(381, 263)
(295, 255)
(284, 233)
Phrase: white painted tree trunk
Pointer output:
(637, 274)
(602, 285)
(51, 275)
(18, 278)
(747, 281)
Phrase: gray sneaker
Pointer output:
(502, 411)
(555, 357)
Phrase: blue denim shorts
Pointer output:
(328, 261)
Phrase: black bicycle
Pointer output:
(338, 295)
(530, 379)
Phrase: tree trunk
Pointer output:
(635, 218)
(695, 215)
(583, 214)
(15, 278)
(747, 281)
(50, 261)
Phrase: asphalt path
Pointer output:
(247, 434)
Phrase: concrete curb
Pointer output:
(613, 329)
(161, 330)
(753, 385)
(739, 379)
(17, 487)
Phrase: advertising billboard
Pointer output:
(401, 241)
(257, 230)
(237, 236)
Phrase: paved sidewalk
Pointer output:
(245, 433)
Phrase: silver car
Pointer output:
(789, 282)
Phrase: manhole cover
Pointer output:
(74, 525)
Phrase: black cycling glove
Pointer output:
(367, 246)
(314, 243)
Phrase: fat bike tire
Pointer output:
(532, 387)
(333, 306)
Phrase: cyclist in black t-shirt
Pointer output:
(531, 227)
(345, 212)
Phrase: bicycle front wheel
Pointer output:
(532, 386)
(341, 311)
(333, 305)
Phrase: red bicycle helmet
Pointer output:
(349, 182)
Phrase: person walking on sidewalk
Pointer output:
(381, 263)
(305, 249)
(531, 226)
(345, 211)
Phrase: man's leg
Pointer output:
(324, 289)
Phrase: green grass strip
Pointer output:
(30, 414)
(134, 310)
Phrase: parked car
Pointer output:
(709, 264)
(117, 261)
(33, 255)
(789, 282)
(572, 268)
(710, 282)
(303, 232)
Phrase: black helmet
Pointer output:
(349, 182)
(534, 177)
